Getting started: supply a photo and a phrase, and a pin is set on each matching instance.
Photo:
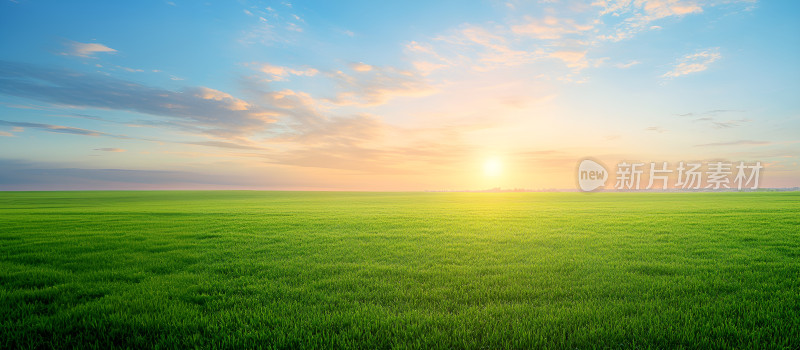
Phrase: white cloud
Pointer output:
(279, 73)
(229, 102)
(640, 13)
(573, 59)
(476, 47)
(550, 28)
(693, 63)
(87, 50)
(426, 68)
(294, 27)
(360, 67)
(132, 70)
(376, 85)
(637, 15)
(627, 64)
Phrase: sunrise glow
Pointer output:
(401, 96)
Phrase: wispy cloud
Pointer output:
(573, 59)
(269, 25)
(736, 143)
(110, 149)
(638, 15)
(550, 27)
(730, 123)
(627, 64)
(713, 112)
(693, 63)
(210, 111)
(375, 85)
(30, 175)
(360, 67)
(571, 36)
(279, 73)
(485, 48)
(58, 129)
(86, 50)
(223, 144)
(711, 117)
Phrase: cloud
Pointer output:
(228, 101)
(208, 111)
(572, 38)
(494, 46)
(294, 27)
(376, 85)
(426, 68)
(714, 112)
(87, 50)
(58, 129)
(310, 136)
(491, 47)
(709, 116)
(278, 73)
(736, 143)
(6, 134)
(349, 130)
(657, 129)
(637, 15)
(730, 123)
(131, 70)
(572, 59)
(720, 111)
(268, 26)
(627, 64)
(304, 123)
(85, 132)
(17, 175)
(550, 27)
(427, 59)
(693, 63)
(360, 67)
(223, 144)
(634, 16)
(650, 9)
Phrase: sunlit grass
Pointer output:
(382, 270)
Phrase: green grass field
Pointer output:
(399, 270)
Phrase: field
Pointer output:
(399, 270)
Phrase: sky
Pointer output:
(390, 96)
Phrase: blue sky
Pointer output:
(409, 95)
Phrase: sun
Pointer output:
(492, 167)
